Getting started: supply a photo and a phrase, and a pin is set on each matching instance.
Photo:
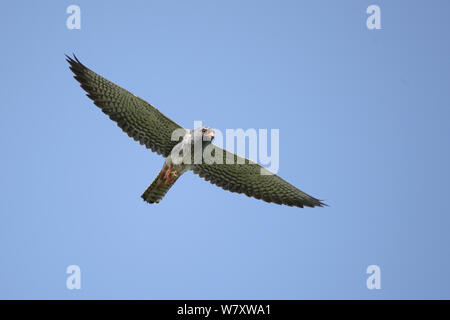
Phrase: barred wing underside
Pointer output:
(247, 178)
(139, 119)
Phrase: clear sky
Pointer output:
(364, 124)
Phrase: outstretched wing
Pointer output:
(139, 119)
(247, 178)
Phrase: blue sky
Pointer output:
(363, 118)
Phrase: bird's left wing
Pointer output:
(139, 119)
(244, 176)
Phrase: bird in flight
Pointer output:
(147, 125)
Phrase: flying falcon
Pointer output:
(145, 124)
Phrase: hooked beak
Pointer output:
(210, 134)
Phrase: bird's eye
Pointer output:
(203, 130)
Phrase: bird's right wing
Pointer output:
(139, 119)
(244, 176)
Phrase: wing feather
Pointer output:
(245, 177)
(136, 117)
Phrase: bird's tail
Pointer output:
(162, 183)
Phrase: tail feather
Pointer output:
(158, 189)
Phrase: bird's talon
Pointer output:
(167, 174)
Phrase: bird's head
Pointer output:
(203, 134)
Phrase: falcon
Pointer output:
(148, 126)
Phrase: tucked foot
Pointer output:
(167, 174)
(170, 176)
